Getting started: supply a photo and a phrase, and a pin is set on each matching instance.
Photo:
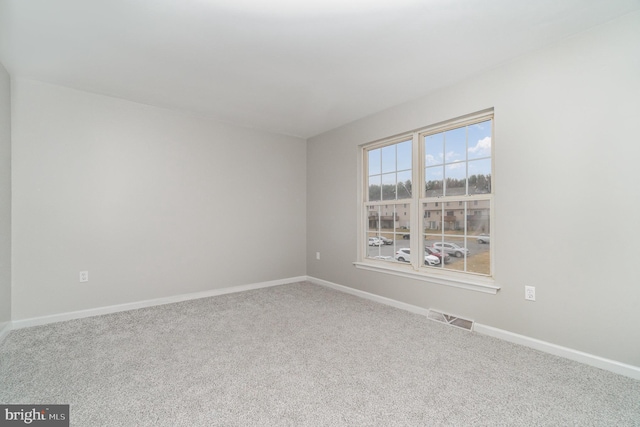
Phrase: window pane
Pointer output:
(479, 140)
(374, 246)
(388, 218)
(374, 222)
(375, 192)
(478, 214)
(433, 148)
(402, 236)
(404, 185)
(373, 218)
(454, 247)
(389, 186)
(389, 158)
(453, 221)
(434, 178)
(395, 179)
(402, 216)
(387, 230)
(480, 176)
(374, 162)
(431, 227)
(448, 236)
(432, 216)
(455, 145)
(451, 248)
(404, 155)
(455, 179)
(478, 237)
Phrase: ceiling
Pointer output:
(292, 67)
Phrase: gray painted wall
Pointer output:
(5, 198)
(566, 194)
(152, 202)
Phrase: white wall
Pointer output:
(152, 202)
(5, 198)
(566, 194)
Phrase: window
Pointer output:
(389, 179)
(453, 161)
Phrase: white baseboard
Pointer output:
(568, 353)
(4, 331)
(37, 321)
(370, 296)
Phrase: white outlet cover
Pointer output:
(84, 276)
(530, 293)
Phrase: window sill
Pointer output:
(478, 284)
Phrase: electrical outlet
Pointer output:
(317, 255)
(530, 293)
(84, 276)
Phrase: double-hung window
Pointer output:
(427, 203)
(390, 196)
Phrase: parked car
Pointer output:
(385, 240)
(374, 241)
(404, 255)
(451, 249)
(484, 238)
(436, 252)
(406, 236)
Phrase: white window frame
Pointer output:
(415, 270)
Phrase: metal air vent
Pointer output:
(451, 320)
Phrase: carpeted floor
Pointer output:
(300, 355)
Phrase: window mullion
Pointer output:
(466, 192)
(416, 176)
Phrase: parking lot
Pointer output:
(477, 261)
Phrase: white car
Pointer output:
(374, 241)
(404, 255)
(451, 249)
(484, 238)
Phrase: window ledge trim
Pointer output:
(479, 285)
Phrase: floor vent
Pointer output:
(451, 320)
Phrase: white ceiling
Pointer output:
(292, 67)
